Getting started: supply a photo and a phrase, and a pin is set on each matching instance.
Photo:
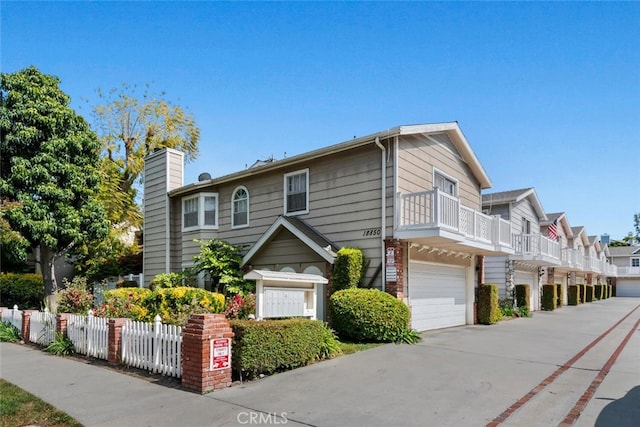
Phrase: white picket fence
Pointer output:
(14, 317)
(155, 347)
(89, 334)
(42, 327)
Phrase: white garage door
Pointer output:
(526, 277)
(436, 295)
(628, 288)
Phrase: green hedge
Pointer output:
(589, 291)
(582, 292)
(275, 345)
(488, 306)
(598, 292)
(559, 295)
(549, 297)
(610, 291)
(573, 295)
(347, 268)
(523, 295)
(25, 290)
(368, 315)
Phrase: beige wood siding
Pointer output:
(417, 158)
(163, 172)
(344, 202)
(524, 209)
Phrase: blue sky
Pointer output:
(547, 94)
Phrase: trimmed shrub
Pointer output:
(167, 280)
(175, 305)
(589, 291)
(75, 297)
(559, 295)
(523, 295)
(348, 268)
(26, 290)
(610, 289)
(125, 302)
(368, 315)
(573, 295)
(271, 346)
(549, 297)
(240, 306)
(597, 292)
(581, 293)
(488, 306)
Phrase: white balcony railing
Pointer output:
(572, 258)
(536, 245)
(628, 271)
(437, 209)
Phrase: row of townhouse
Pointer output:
(410, 197)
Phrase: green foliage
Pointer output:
(573, 295)
(173, 305)
(222, 261)
(549, 297)
(507, 309)
(75, 297)
(588, 292)
(48, 167)
(581, 293)
(131, 125)
(559, 295)
(488, 307)
(108, 257)
(26, 290)
(523, 295)
(13, 246)
(330, 346)
(271, 346)
(409, 337)
(348, 268)
(61, 346)
(9, 333)
(368, 315)
(240, 306)
(170, 280)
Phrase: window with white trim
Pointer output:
(445, 183)
(240, 208)
(200, 211)
(296, 192)
(635, 262)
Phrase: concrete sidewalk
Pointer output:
(462, 376)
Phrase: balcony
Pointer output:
(592, 264)
(436, 215)
(628, 272)
(572, 258)
(537, 249)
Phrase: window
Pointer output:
(444, 183)
(635, 262)
(296, 190)
(240, 208)
(200, 211)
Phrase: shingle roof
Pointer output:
(501, 197)
(621, 251)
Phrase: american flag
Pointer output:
(552, 231)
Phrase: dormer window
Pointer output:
(200, 211)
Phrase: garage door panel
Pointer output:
(628, 288)
(436, 295)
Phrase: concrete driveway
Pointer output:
(465, 376)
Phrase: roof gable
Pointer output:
(515, 196)
(314, 240)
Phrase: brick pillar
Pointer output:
(114, 339)
(480, 269)
(394, 263)
(550, 275)
(589, 279)
(26, 326)
(61, 323)
(201, 332)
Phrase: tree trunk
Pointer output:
(47, 266)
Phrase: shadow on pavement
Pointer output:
(623, 412)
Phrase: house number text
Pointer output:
(371, 232)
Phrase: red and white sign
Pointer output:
(220, 354)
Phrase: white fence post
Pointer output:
(157, 329)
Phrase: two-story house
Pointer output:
(627, 261)
(409, 197)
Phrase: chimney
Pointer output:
(163, 172)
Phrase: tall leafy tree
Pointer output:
(49, 169)
(131, 124)
(636, 225)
